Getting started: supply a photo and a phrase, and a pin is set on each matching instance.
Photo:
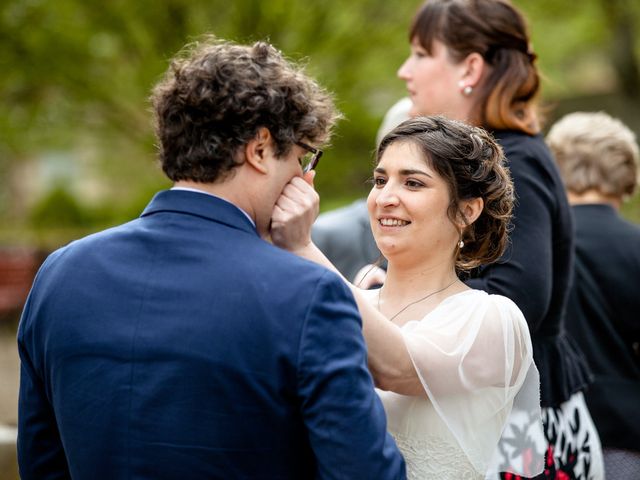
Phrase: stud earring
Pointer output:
(460, 244)
(466, 89)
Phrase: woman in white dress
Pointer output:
(453, 365)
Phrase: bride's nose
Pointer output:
(387, 196)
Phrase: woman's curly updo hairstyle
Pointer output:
(473, 165)
(215, 97)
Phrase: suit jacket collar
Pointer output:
(200, 205)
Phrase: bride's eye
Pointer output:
(414, 184)
(379, 181)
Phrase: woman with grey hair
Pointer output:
(598, 160)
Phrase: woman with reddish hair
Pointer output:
(472, 60)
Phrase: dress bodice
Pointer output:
(473, 356)
(430, 450)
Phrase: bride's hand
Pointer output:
(294, 213)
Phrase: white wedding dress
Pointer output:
(473, 355)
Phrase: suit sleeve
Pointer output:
(40, 451)
(523, 273)
(343, 414)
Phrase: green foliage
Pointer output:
(631, 209)
(77, 74)
(58, 209)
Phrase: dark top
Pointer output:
(536, 269)
(182, 345)
(603, 316)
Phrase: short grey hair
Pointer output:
(595, 151)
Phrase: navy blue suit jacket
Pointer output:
(182, 345)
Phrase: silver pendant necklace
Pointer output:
(413, 303)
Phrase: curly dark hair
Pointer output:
(473, 165)
(215, 97)
(498, 31)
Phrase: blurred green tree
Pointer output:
(77, 74)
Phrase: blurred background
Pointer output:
(77, 151)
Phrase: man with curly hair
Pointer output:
(184, 345)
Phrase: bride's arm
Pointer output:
(389, 360)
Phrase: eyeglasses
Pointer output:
(311, 159)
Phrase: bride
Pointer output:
(453, 365)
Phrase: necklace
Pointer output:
(413, 303)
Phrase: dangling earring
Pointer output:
(460, 244)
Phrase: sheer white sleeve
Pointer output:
(473, 355)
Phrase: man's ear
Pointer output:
(471, 210)
(473, 68)
(258, 150)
